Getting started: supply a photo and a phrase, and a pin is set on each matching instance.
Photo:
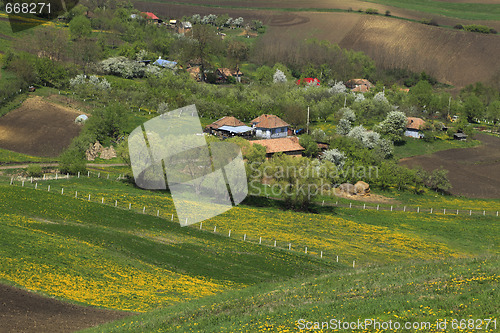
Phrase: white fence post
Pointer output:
(289, 246)
(321, 254)
(62, 190)
(22, 184)
(470, 212)
(364, 206)
(378, 206)
(275, 243)
(36, 186)
(484, 212)
(88, 173)
(418, 209)
(157, 212)
(431, 210)
(229, 235)
(305, 251)
(89, 197)
(404, 209)
(76, 194)
(129, 205)
(201, 225)
(78, 174)
(144, 209)
(350, 204)
(215, 228)
(48, 189)
(245, 237)
(444, 211)
(102, 200)
(260, 240)
(391, 208)
(353, 263)
(116, 203)
(172, 217)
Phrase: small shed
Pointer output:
(460, 136)
(165, 63)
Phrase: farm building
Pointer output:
(359, 85)
(289, 146)
(183, 27)
(270, 126)
(228, 127)
(309, 81)
(460, 136)
(151, 17)
(224, 73)
(194, 72)
(165, 63)
(414, 127)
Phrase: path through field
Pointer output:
(473, 172)
(23, 311)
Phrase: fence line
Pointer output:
(271, 242)
(364, 206)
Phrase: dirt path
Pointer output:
(23, 311)
(473, 172)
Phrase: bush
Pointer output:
(427, 21)
(372, 11)
(72, 163)
(478, 28)
(458, 27)
(34, 170)
(387, 13)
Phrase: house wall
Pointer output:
(414, 134)
(274, 133)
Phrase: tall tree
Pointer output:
(203, 45)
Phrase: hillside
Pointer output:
(454, 57)
(418, 293)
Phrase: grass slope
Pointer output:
(366, 236)
(422, 292)
(104, 256)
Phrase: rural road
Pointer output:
(21, 166)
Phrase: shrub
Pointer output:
(458, 27)
(348, 114)
(372, 11)
(387, 13)
(344, 127)
(429, 22)
(34, 170)
(478, 28)
(335, 156)
(279, 77)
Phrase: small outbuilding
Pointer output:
(460, 136)
(81, 119)
(289, 146)
(414, 127)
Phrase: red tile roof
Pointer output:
(226, 121)
(287, 144)
(415, 123)
(269, 121)
(150, 16)
(309, 80)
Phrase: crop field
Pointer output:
(413, 292)
(38, 128)
(473, 172)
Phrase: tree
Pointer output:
(393, 126)
(335, 156)
(80, 27)
(264, 74)
(438, 180)
(203, 45)
(311, 147)
(493, 112)
(473, 108)
(348, 114)
(421, 93)
(344, 127)
(237, 52)
(279, 77)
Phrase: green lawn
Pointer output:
(415, 147)
(411, 292)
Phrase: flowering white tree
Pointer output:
(393, 126)
(238, 22)
(344, 127)
(380, 98)
(279, 77)
(162, 108)
(338, 88)
(370, 139)
(348, 113)
(335, 156)
(358, 97)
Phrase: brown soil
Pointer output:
(38, 128)
(473, 172)
(24, 311)
(372, 198)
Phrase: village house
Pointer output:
(229, 127)
(289, 146)
(150, 17)
(270, 126)
(414, 127)
(359, 85)
(224, 73)
(165, 63)
(183, 27)
(460, 136)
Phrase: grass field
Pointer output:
(102, 256)
(414, 147)
(365, 236)
(411, 292)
